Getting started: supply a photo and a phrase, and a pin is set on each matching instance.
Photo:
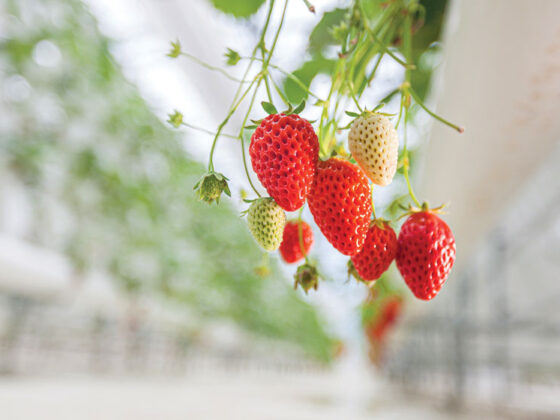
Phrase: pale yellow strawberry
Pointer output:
(374, 143)
(266, 222)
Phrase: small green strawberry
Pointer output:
(307, 277)
(266, 223)
(374, 143)
(211, 186)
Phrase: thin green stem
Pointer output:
(406, 163)
(433, 114)
(391, 54)
(407, 46)
(401, 107)
(373, 205)
(406, 177)
(243, 142)
(236, 100)
(324, 122)
(310, 7)
(213, 68)
(223, 124)
(204, 130)
(260, 44)
(300, 235)
(372, 32)
(374, 70)
(295, 79)
(268, 93)
(277, 34)
(353, 96)
(386, 33)
(279, 91)
(289, 75)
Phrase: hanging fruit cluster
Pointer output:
(298, 164)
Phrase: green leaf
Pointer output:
(306, 73)
(232, 56)
(299, 108)
(238, 8)
(269, 108)
(352, 114)
(389, 96)
(322, 35)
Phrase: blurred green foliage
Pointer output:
(238, 8)
(322, 58)
(111, 186)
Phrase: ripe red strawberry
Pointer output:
(378, 252)
(340, 201)
(290, 248)
(284, 152)
(426, 253)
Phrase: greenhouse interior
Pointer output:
(189, 209)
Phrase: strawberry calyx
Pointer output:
(352, 272)
(380, 222)
(364, 114)
(307, 276)
(211, 186)
(424, 208)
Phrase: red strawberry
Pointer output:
(392, 310)
(426, 253)
(389, 313)
(378, 252)
(284, 152)
(340, 201)
(290, 248)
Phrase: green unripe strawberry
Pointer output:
(374, 143)
(307, 277)
(266, 223)
(211, 186)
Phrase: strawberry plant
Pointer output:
(329, 162)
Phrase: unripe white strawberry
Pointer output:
(266, 222)
(374, 143)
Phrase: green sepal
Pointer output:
(307, 277)
(175, 49)
(175, 119)
(211, 186)
(269, 108)
(299, 108)
(232, 57)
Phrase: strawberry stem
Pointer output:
(213, 68)
(407, 46)
(224, 122)
(204, 130)
(243, 142)
(300, 235)
(433, 114)
(353, 96)
(279, 91)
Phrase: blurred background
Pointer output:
(122, 296)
